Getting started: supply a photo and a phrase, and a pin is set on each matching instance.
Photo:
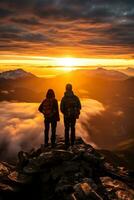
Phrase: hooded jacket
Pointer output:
(49, 108)
(70, 105)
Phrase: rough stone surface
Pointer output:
(76, 173)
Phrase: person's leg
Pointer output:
(53, 129)
(46, 132)
(73, 122)
(66, 124)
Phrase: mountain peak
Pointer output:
(19, 70)
(14, 74)
(79, 172)
(130, 69)
(101, 69)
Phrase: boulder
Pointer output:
(19, 177)
(83, 191)
(4, 171)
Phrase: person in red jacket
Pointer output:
(49, 108)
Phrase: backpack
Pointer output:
(71, 107)
(47, 108)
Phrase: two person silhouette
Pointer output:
(70, 107)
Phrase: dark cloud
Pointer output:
(27, 37)
(71, 10)
(85, 23)
(33, 37)
(5, 12)
(26, 21)
(116, 34)
(87, 9)
(11, 28)
(119, 34)
(18, 4)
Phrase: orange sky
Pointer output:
(49, 66)
(40, 32)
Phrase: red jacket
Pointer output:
(49, 108)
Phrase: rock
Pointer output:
(91, 182)
(57, 172)
(6, 188)
(23, 160)
(68, 189)
(64, 189)
(78, 173)
(32, 167)
(46, 177)
(117, 188)
(92, 159)
(123, 195)
(64, 155)
(47, 159)
(83, 191)
(71, 166)
(19, 178)
(4, 171)
(9, 166)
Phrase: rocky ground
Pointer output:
(77, 173)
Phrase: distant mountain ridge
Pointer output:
(97, 73)
(105, 74)
(99, 83)
(13, 74)
(128, 71)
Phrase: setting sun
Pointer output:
(67, 62)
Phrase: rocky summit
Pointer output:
(75, 173)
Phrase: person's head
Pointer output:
(68, 87)
(50, 94)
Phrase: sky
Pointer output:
(49, 29)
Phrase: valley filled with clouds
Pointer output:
(22, 127)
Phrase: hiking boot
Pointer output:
(66, 146)
(46, 145)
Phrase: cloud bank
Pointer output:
(22, 126)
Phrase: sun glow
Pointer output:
(67, 62)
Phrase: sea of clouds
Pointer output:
(22, 126)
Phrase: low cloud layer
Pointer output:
(22, 126)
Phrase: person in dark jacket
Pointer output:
(70, 107)
(49, 108)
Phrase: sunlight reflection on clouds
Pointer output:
(22, 125)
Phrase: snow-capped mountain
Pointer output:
(14, 74)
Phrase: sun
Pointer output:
(67, 63)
